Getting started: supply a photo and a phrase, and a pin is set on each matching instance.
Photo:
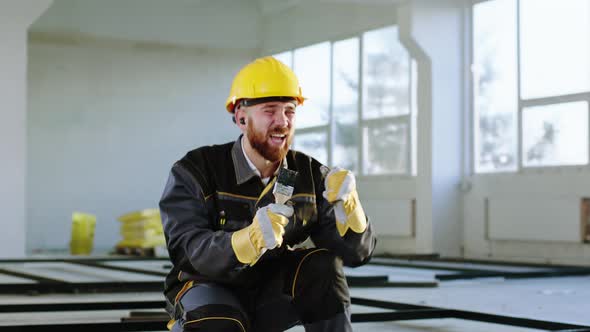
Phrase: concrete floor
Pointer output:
(563, 299)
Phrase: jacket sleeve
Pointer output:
(355, 249)
(193, 244)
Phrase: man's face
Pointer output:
(270, 128)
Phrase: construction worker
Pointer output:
(231, 243)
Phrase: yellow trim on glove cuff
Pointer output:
(334, 182)
(342, 228)
(243, 248)
(356, 219)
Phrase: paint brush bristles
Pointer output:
(283, 189)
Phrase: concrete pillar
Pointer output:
(440, 120)
(15, 18)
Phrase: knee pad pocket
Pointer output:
(319, 287)
(322, 263)
(319, 264)
(215, 317)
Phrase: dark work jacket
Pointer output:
(212, 192)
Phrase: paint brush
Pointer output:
(283, 189)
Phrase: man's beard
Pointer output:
(259, 141)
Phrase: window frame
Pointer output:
(521, 104)
(409, 119)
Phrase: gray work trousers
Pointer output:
(309, 288)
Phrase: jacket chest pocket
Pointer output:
(303, 219)
(233, 215)
(305, 209)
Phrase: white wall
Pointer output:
(106, 122)
(15, 18)
(542, 244)
(440, 117)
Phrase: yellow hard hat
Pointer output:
(264, 77)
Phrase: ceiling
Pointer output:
(226, 24)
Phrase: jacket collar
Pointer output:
(243, 170)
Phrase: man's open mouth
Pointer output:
(278, 138)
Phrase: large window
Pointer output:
(531, 83)
(360, 113)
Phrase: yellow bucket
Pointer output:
(82, 240)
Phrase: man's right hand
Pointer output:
(265, 232)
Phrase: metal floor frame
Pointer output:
(136, 322)
(458, 272)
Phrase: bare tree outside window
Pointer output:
(385, 148)
(556, 134)
(386, 75)
(386, 88)
(345, 86)
(495, 85)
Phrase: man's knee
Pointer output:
(319, 287)
(212, 317)
(209, 308)
(323, 263)
(318, 268)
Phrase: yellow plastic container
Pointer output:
(82, 241)
(141, 229)
(141, 215)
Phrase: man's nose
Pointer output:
(281, 119)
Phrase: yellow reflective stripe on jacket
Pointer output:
(215, 318)
(184, 289)
(223, 193)
(266, 189)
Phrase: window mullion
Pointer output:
(360, 137)
(331, 140)
(588, 134)
(405, 118)
(582, 96)
(409, 122)
(519, 133)
(314, 129)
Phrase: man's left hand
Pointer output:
(341, 192)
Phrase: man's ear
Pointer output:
(240, 116)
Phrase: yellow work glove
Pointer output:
(341, 192)
(265, 232)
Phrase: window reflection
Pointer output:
(345, 103)
(312, 66)
(552, 134)
(555, 47)
(313, 144)
(495, 85)
(386, 80)
(385, 149)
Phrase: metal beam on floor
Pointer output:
(42, 285)
(401, 311)
(470, 272)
